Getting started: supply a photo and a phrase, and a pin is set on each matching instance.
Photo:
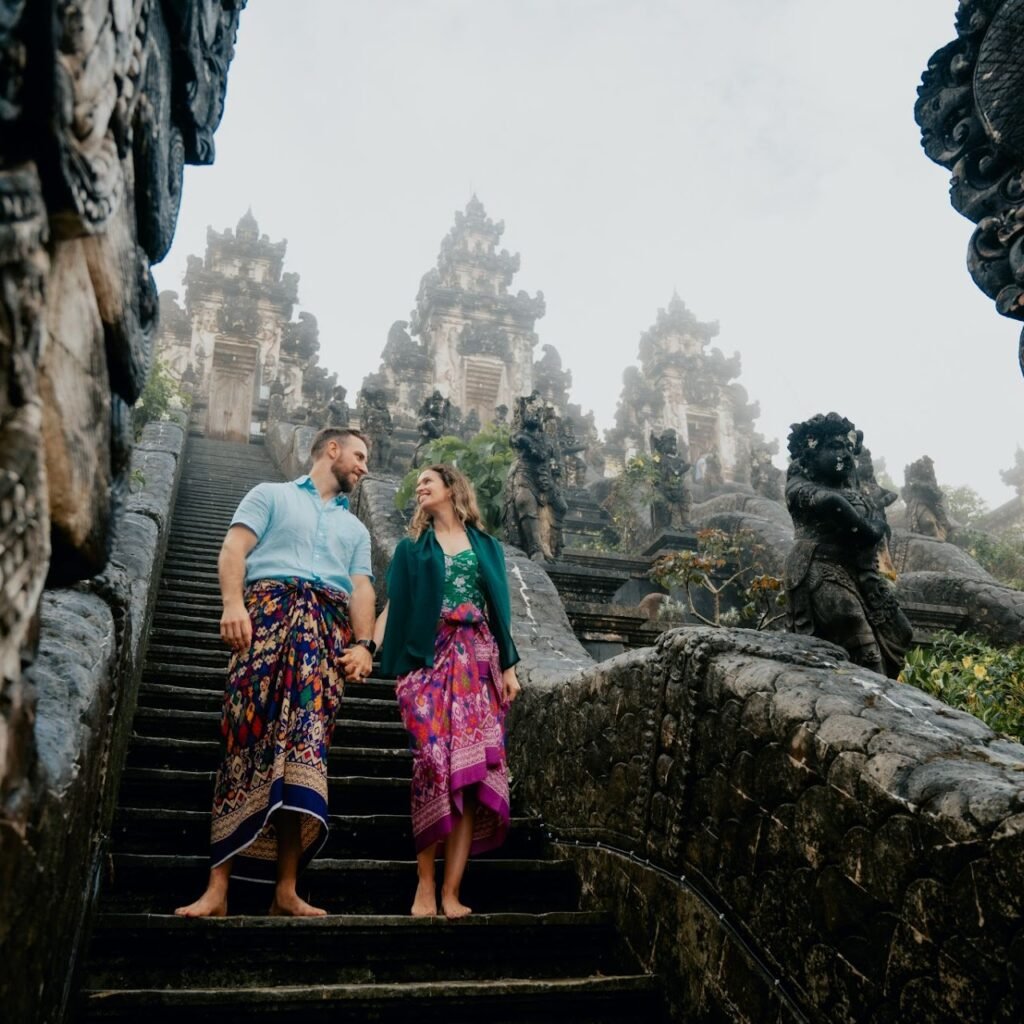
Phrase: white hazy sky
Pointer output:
(759, 156)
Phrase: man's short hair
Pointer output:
(339, 434)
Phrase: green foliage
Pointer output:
(484, 458)
(1003, 556)
(160, 395)
(629, 502)
(964, 504)
(740, 555)
(968, 673)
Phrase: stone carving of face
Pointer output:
(832, 458)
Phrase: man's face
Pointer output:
(348, 462)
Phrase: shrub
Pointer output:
(160, 395)
(761, 595)
(967, 673)
(484, 458)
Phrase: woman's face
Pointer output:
(432, 492)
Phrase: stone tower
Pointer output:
(475, 339)
(233, 337)
(683, 386)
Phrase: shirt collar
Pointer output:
(306, 483)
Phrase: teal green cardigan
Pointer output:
(415, 592)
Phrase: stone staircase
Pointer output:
(529, 952)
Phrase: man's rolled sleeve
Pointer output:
(256, 510)
(362, 562)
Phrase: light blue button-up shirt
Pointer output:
(298, 534)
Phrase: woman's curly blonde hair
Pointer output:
(463, 499)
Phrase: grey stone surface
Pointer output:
(85, 678)
(992, 610)
(288, 445)
(866, 839)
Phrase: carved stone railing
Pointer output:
(782, 835)
(84, 682)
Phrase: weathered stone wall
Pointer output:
(83, 687)
(838, 831)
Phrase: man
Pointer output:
(304, 559)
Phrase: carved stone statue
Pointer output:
(534, 502)
(1014, 477)
(834, 581)
(470, 425)
(375, 422)
(435, 422)
(765, 477)
(711, 472)
(574, 466)
(926, 504)
(501, 416)
(338, 412)
(880, 496)
(670, 509)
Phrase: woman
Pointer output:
(445, 633)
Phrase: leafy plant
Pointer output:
(484, 458)
(964, 504)
(629, 502)
(972, 675)
(160, 395)
(725, 565)
(1002, 556)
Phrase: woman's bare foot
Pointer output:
(452, 907)
(425, 902)
(213, 903)
(289, 904)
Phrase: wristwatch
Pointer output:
(368, 644)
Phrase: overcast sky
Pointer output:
(758, 156)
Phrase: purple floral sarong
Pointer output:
(456, 724)
(280, 702)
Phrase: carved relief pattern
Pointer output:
(969, 109)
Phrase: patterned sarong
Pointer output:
(456, 724)
(279, 706)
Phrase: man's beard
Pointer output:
(346, 483)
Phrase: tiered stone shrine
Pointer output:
(682, 386)
(475, 339)
(233, 338)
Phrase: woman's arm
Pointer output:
(380, 627)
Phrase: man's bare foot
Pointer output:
(452, 908)
(213, 903)
(425, 902)
(291, 905)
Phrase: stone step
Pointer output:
(361, 836)
(595, 999)
(207, 655)
(205, 755)
(134, 949)
(192, 790)
(205, 725)
(205, 692)
(156, 883)
(355, 705)
(171, 615)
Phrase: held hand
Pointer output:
(356, 662)
(236, 626)
(509, 685)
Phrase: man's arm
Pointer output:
(235, 624)
(357, 660)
